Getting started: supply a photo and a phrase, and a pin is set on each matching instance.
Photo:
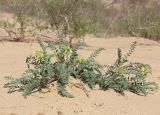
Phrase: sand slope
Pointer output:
(12, 62)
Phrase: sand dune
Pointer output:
(12, 62)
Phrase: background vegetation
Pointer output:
(103, 18)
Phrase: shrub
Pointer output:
(20, 24)
(42, 71)
(125, 75)
(74, 18)
(65, 62)
(139, 19)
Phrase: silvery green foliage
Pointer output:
(125, 75)
(65, 62)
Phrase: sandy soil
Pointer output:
(12, 62)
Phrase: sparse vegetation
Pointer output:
(74, 19)
(20, 26)
(121, 76)
(135, 18)
(49, 54)
(65, 62)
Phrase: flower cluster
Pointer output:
(145, 69)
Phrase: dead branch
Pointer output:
(81, 86)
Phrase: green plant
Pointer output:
(125, 75)
(44, 68)
(88, 70)
(63, 62)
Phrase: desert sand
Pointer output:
(12, 63)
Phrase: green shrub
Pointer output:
(42, 71)
(88, 70)
(125, 75)
(64, 62)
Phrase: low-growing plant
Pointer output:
(88, 70)
(126, 75)
(63, 62)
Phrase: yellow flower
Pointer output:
(120, 72)
(70, 51)
(40, 55)
(65, 53)
(62, 51)
(80, 59)
(57, 52)
(144, 70)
